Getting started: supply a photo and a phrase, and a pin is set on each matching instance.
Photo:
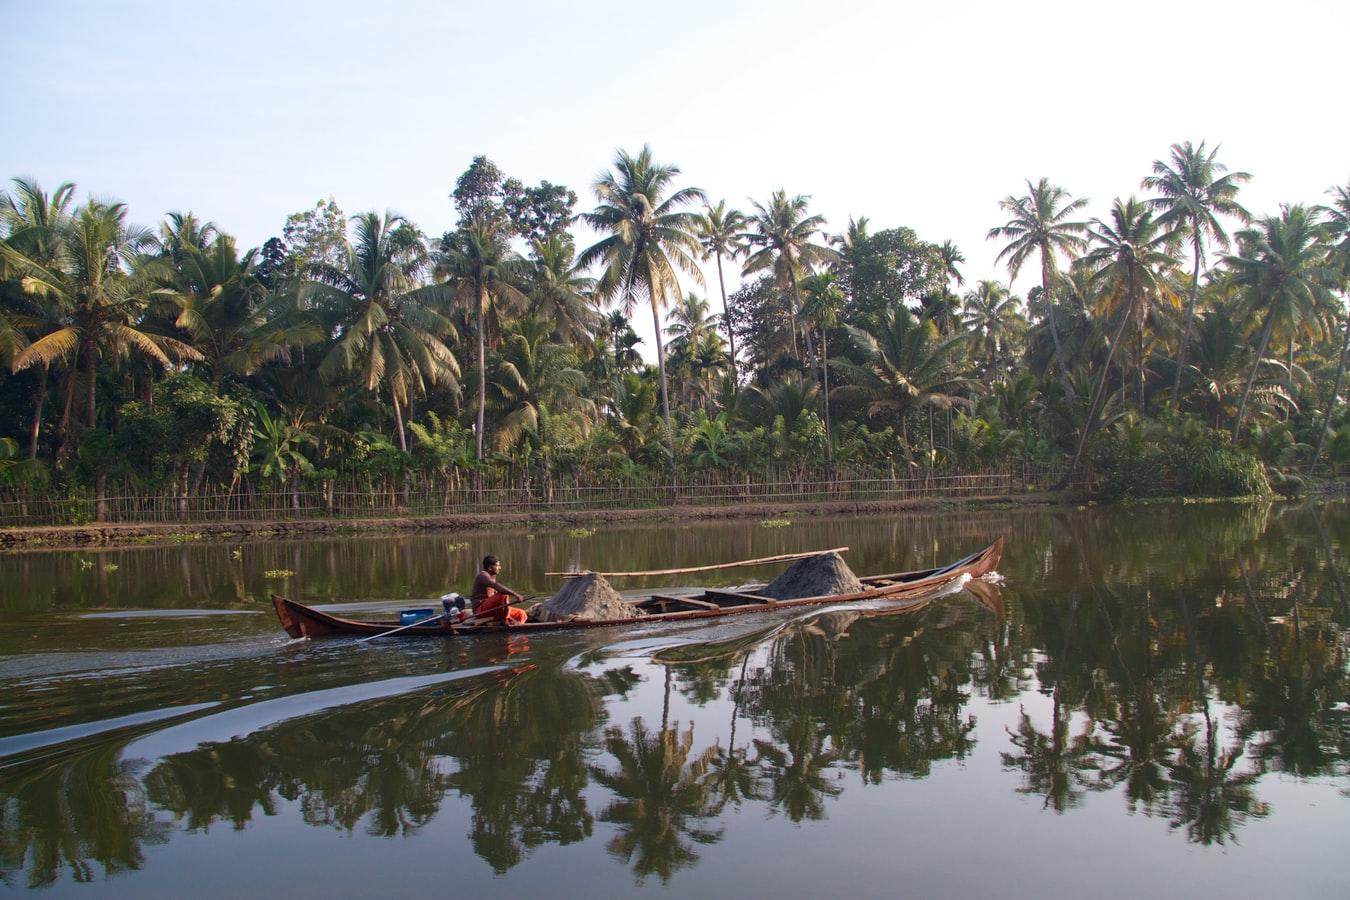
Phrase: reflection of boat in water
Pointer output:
(304, 621)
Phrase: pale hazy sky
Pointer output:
(921, 114)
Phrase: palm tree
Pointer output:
(695, 341)
(1281, 274)
(993, 315)
(1129, 267)
(481, 270)
(649, 237)
(952, 257)
(1039, 224)
(1195, 192)
(533, 376)
(783, 232)
(34, 223)
(822, 300)
(906, 365)
(690, 321)
(94, 282)
(393, 327)
(276, 447)
(182, 232)
(560, 294)
(1338, 227)
(719, 232)
(232, 319)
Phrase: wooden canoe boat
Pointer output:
(304, 621)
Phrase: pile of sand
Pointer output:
(587, 597)
(814, 576)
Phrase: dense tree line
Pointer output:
(1175, 342)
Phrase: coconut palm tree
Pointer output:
(33, 222)
(649, 237)
(560, 294)
(952, 257)
(822, 299)
(1282, 276)
(1338, 227)
(906, 365)
(782, 232)
(183, 231)
(1129, 266)
(993, 314)
(1039, 224)
(234, 322)
(392, 327)
(1195, 192)
(533, 376)
(482, 271)
(95, 283)
(719, 231)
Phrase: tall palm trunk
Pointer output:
(1186, 331)
(1331, 401)
(825, 394)
(398, 420)
(731, 336)
(90, 352)
(63, 429)
(661, 368)
(37, 413)
(482, 371)
(796, 310)
(1047, 277)
(1251, 376)
(794, 303)
(1098, 393)
(1139, 350)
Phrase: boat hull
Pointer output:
(917, 587)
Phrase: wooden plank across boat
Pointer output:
(305, 621)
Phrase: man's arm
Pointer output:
(498, 586)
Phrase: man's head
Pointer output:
(491, 564)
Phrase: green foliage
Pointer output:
(1174, 456)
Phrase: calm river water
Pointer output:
(1153, 702)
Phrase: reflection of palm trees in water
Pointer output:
(1141, 730)
(75, 813)
(1054, 764)
(1208, 797)
(662, 795)
(734, 776)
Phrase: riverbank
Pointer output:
(112, 535)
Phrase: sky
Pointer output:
(917, 114)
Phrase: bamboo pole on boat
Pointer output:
(730, 565)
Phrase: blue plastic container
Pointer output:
(410, 616)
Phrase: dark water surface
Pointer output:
(1153, 702)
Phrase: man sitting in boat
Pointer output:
(491, 599)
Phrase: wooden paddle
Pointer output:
(426, 621)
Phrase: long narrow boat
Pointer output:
(305, 621)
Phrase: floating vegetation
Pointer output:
(182, 537)
(278, 573)
(86, 564)
(775, 523)
(581, 532)
(110, 567)
(529, 537)
(464, 545)
(236, 553)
